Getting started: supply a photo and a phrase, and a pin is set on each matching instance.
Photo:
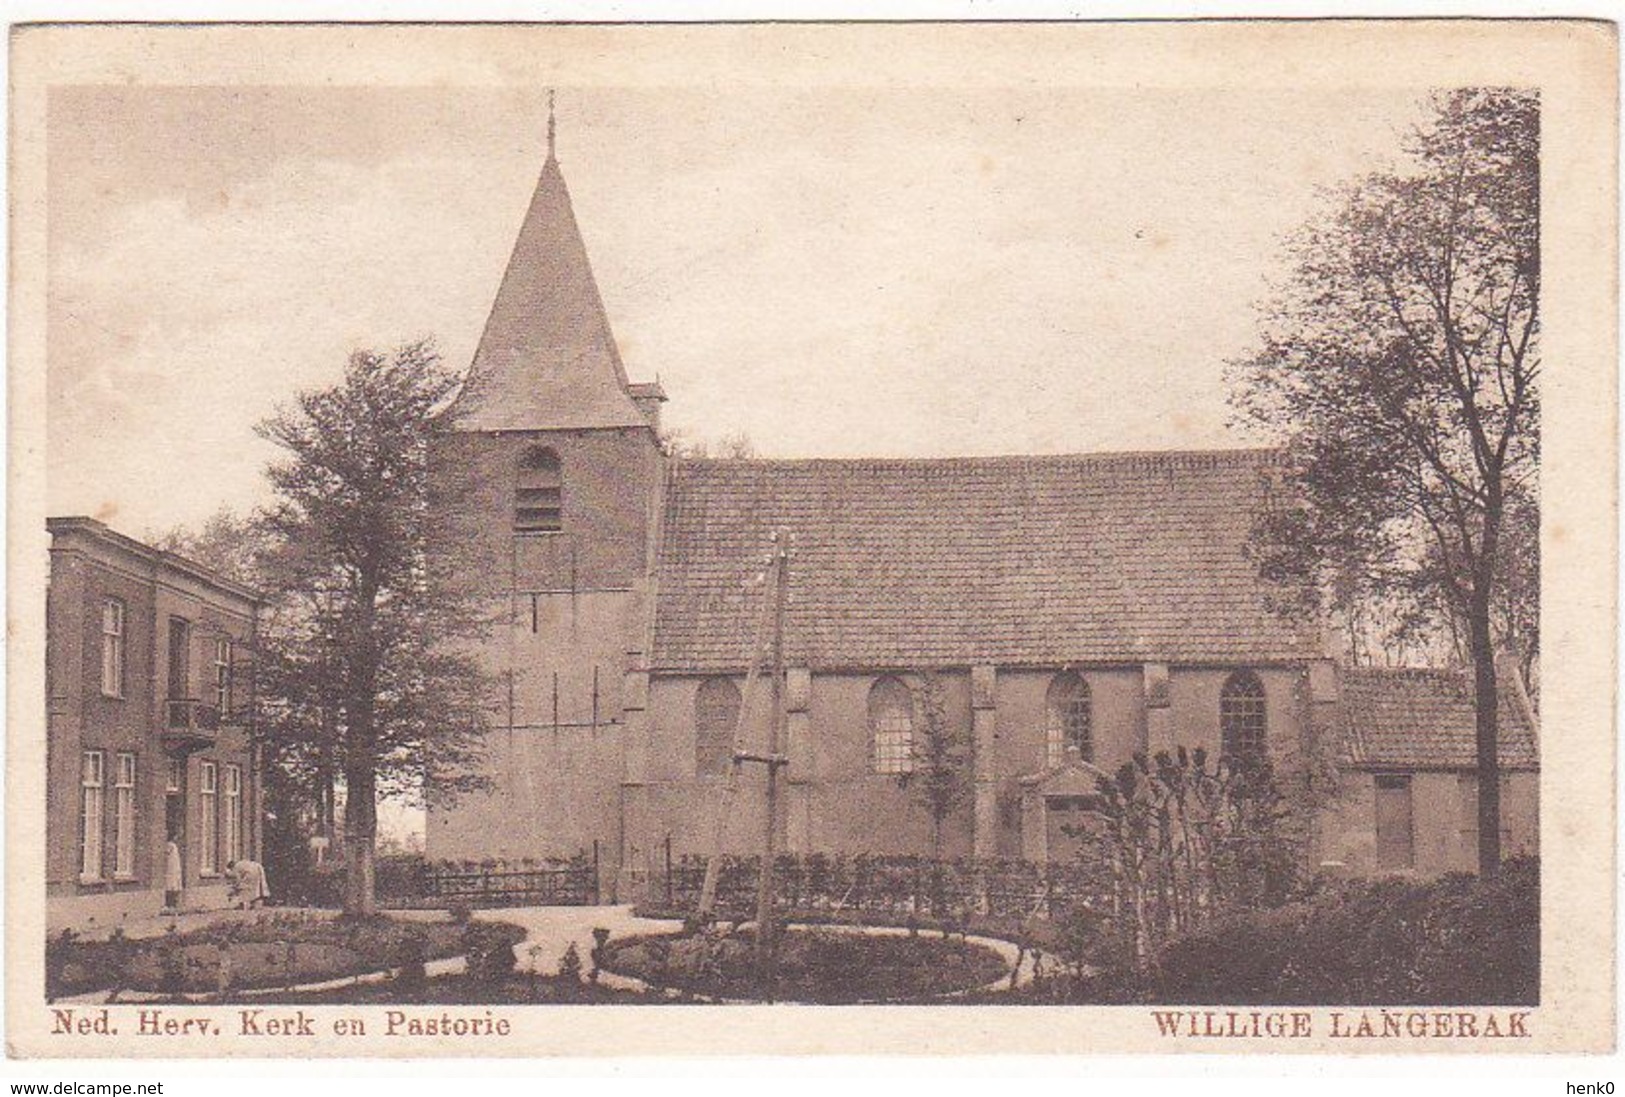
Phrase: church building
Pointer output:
(1067, 611)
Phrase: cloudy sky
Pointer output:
(885, 272)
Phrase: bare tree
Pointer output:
(735, 446)
(1400, 367)
(941, 756)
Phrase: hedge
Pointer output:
(1457, 940)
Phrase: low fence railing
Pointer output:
(572, 881)
(890, 885)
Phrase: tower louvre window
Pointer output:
(538, 504)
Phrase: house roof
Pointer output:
(65, 529)
(1424, 719)
(547, 358)
(1005, 560)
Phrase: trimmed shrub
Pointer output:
(570, 964)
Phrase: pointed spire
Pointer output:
(547, 359)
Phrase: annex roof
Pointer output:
(1107, 558)
(1408, 718)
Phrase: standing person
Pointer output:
(248, 884)
(172, 874)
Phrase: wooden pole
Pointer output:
(765, 928)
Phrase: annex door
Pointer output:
(1396, 839)
(1064, 820)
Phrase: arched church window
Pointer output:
(538, 504)
(891, 723)
(1242, 717)
(716, 711)
(1070, 719)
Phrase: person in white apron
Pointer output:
(248, 884)
(172, 875)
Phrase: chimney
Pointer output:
(648, 396)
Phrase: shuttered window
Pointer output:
(538, 505)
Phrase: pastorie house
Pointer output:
(1077, 609)
(149, 735)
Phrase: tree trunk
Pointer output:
(360, 840)
(1486, 699)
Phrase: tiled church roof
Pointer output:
(1423, 719)
(1006, 560)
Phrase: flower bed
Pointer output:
(814, 965)
(282, 949)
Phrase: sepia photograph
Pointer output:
(823, 535)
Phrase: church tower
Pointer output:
(549, 486)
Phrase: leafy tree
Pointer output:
(373, 668)
(228, 543)
(1400, 367)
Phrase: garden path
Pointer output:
(551, 930)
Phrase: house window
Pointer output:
(175, 775)
(92, 778)
(891, 722)
(234, 813)
(180, 659)
(124, 817)
(538, 505)
(222, 676)
(1242, 717)
(113, 648)
(716, 712)
(1069, 719)
(208, 800)
(1396, 847)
